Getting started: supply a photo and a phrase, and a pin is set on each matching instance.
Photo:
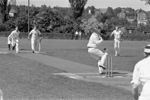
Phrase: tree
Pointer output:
(117, 11)
(91, 23)
(77, 7)
(101, 17)
(3, 10)
(110, 12)
(146, 1)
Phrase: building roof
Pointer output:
(13, 10)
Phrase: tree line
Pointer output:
(63, 20)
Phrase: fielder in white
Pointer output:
(95, 40)
(13, 40)
(35, 39)
(117, 39)
(141, 77)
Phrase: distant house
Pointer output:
(131, 17)
(142, 17)
(89, 11)
(131, 29)
(12, 12)
(148, 15)
(122, 14)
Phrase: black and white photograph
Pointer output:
(74, 49)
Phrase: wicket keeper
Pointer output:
(141, 77)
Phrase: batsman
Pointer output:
(100, 55)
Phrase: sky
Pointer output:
(136, 4)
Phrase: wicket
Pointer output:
(109, 67)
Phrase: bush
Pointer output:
(137, 35)
(3, 27)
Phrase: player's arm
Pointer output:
(39, 33)
(112, 34)
(98, 39)
(29, 34)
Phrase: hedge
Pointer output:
(134, 36)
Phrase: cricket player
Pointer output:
(95, 40)
(35, 39)
(117, 39)
(141, 77)
(13, 40)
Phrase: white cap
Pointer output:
(147, 49)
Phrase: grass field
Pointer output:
(131, 52)
(24, 79)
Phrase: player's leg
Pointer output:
(115, 47)
(118, 46)
(13, 44)
(17, 46)
(102, 59)
(100, 56)
(39, 44)
(36, 44)
(33, 45)
(9, 47)
(9, 44)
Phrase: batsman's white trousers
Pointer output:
(98, 55)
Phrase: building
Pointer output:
(142, 17)
(131, 17)
(12, 12)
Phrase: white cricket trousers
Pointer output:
(15, 42)
(117, 46)
(34, 43)
(17, 46)
(98, 55)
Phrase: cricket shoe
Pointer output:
(117, 55)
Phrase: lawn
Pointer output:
(74, 50)
(25, 79)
